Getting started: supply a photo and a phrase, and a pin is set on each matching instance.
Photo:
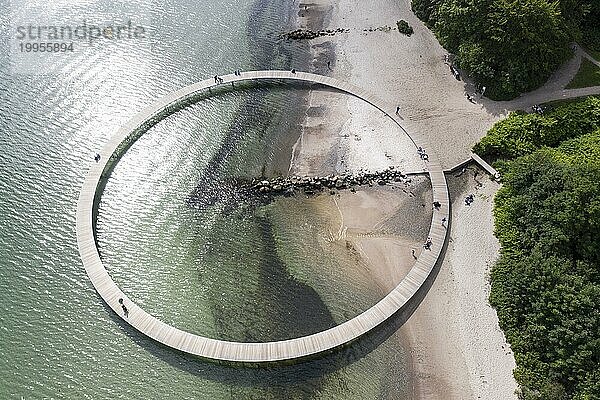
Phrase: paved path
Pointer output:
(236, 351)
(554, 89)
(587, 55)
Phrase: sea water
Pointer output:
(219, 269)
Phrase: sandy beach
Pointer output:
(457, 348)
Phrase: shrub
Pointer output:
(404, 27)
(546, 283)
(424, 9)
(520, 133)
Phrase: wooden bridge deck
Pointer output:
(237, 351)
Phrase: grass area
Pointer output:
(588, 75)
(551, 105)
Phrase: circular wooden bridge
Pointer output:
(241, 352)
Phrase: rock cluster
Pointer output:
(307, 34)
(288, 186)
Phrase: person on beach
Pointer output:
(444, 222)
(455, 72)
(97, 157)
(397, 110)
(216, 79)
(220, 80)
(413, 254)
(437, 205)
(329, 65)
(293, 71)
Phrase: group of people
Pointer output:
(238, 72)
(455, 72)
(536, 108)
(124, 307)
(422, 154)
(480, 89)
(469, 199)
(428, 244)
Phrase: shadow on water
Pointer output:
(255, 91)
(289, 307)
(279, 374)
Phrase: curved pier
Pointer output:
(237, 351)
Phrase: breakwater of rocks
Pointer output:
(259, 191)
(288, 186)
(307, 34)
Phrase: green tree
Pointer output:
(520, 134)
(510, 46)
(546, 282)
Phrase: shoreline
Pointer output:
(457, 350)
(283, 126)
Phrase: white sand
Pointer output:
(458, 349)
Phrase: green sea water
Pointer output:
(218, 269)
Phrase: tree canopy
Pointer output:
(520, 133)
(546, 283)
(510, 46)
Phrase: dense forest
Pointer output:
(521, 133)
(511, 46)
(546, 283)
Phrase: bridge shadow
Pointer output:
(289, 372)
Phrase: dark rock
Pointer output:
(288, 186)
